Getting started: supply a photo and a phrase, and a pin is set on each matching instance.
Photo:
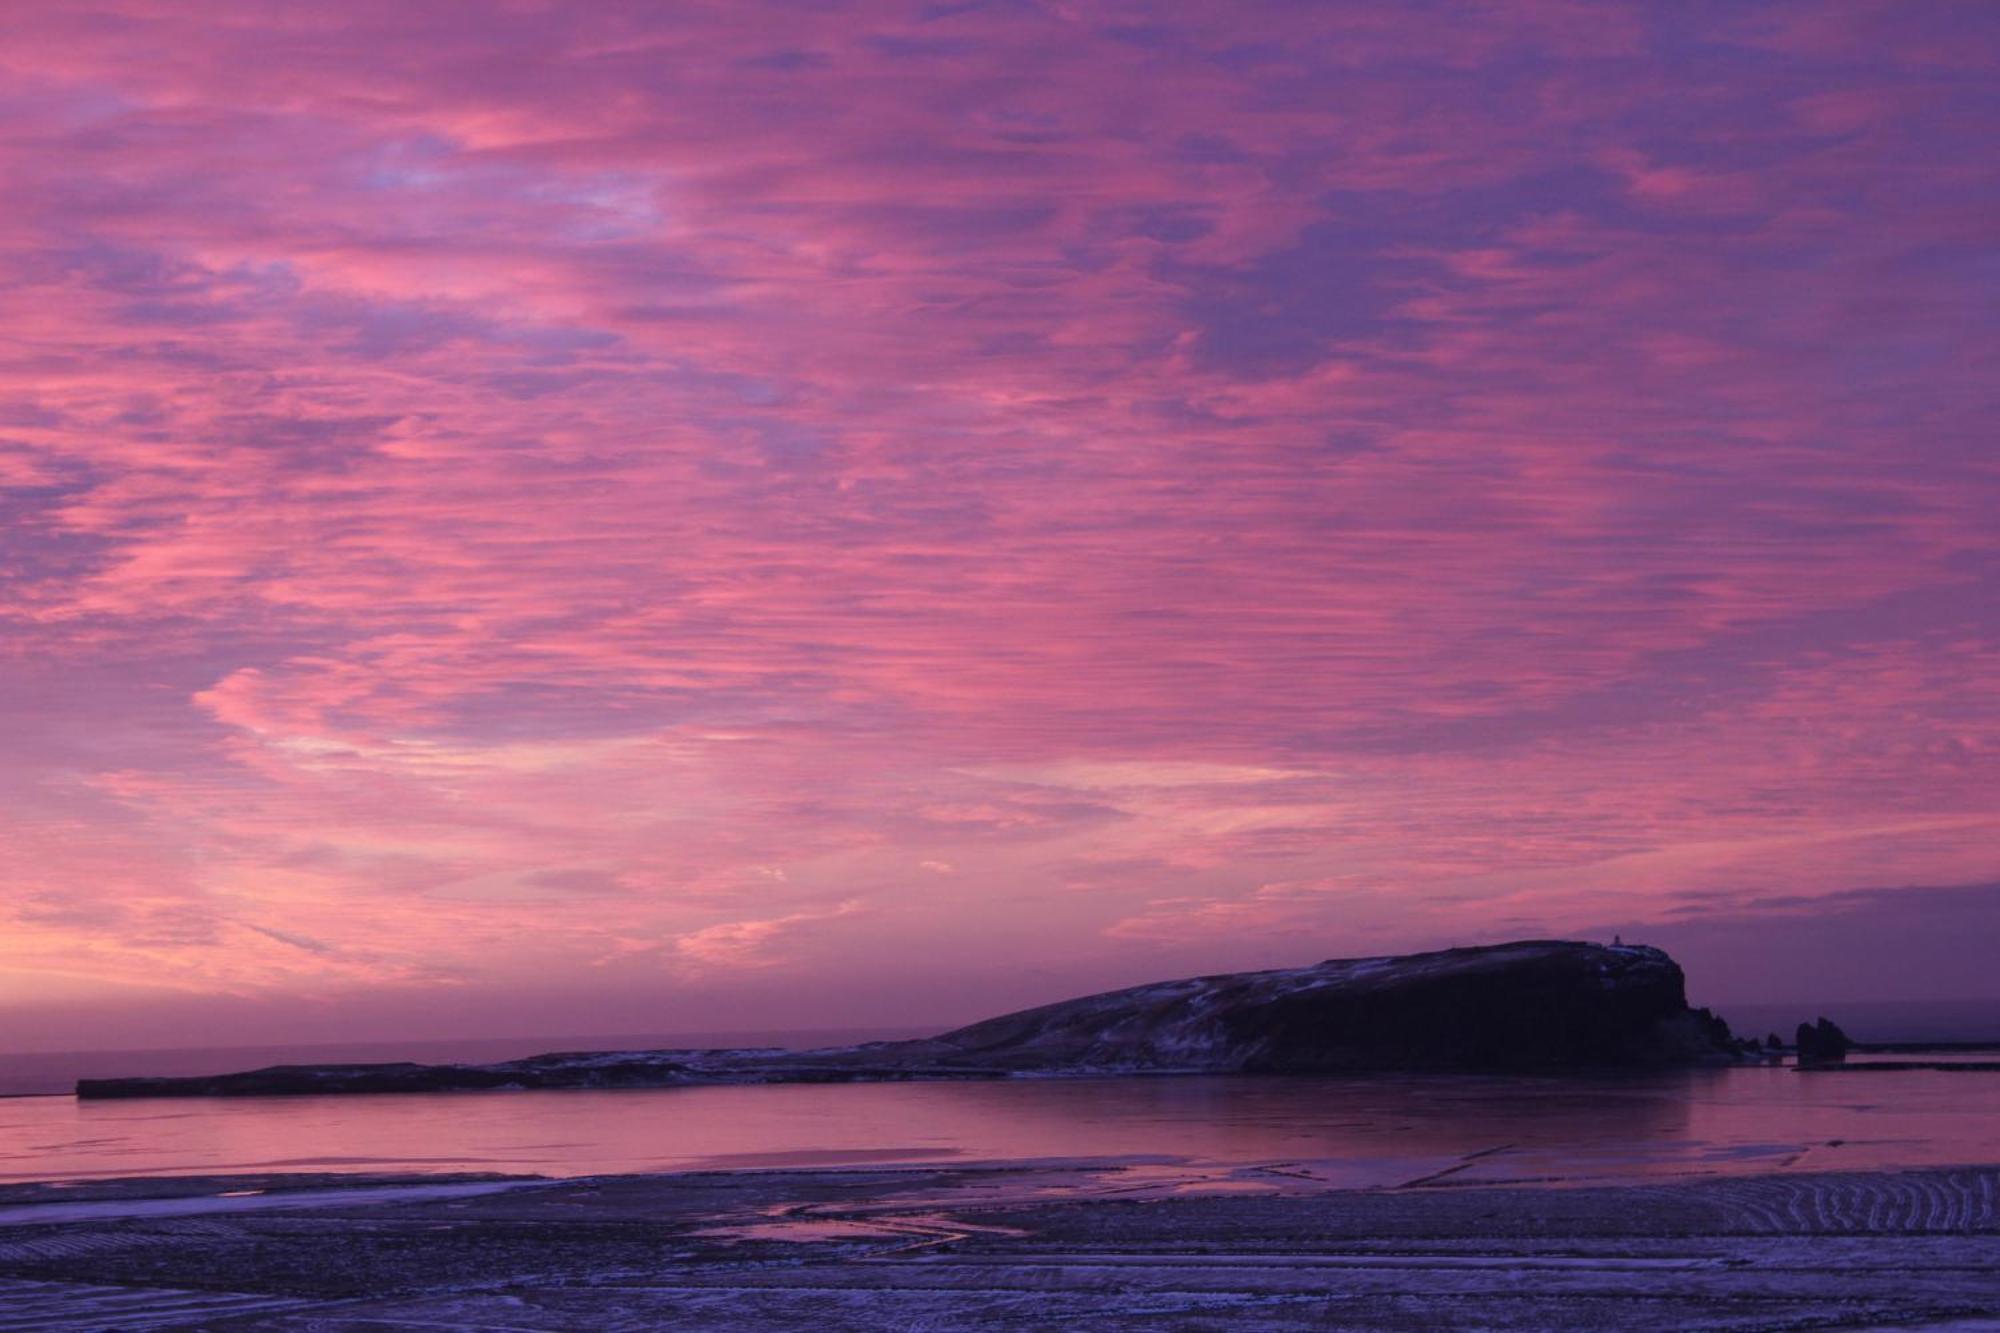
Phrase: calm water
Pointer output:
(1360, 1131)
(58, 1071)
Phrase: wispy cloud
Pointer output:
(730, 944)
(497, 488)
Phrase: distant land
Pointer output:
(47, 1073)
(1528, 1005)
(1877, 1020)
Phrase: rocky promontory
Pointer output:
(1536, 1005)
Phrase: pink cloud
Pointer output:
(734, 944)
(481, 489)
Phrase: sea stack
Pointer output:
(1822, 1043)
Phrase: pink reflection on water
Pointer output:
(1351, 1132)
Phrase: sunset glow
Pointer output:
(624, 517)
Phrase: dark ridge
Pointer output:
(1534, 1005)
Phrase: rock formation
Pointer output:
(1539, 1005)
(1822, 1043)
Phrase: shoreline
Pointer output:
(1109, 1243)
(1287, 1176)
(1360, 1132)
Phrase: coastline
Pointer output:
(1524, 1006)
(1108, 1242)
(1360, 1131)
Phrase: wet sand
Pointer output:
(1097, 1244)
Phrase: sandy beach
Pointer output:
(1100, 1244)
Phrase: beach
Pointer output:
(1100, 1243)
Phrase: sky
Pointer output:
(525, 517)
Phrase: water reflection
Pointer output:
(1356, 1131)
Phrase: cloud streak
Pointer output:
(483, 484)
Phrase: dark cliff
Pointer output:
(1529, 1006)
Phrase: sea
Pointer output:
(1364, 1131)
